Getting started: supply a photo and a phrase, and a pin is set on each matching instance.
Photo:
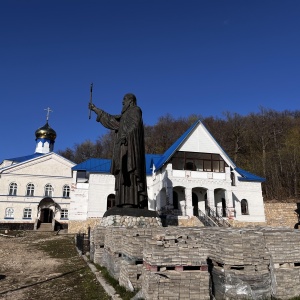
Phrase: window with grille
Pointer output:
(30, 190)
(13, 187)
(27, 213)
(64, 214)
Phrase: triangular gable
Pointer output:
(31, 164)
(196, 139)
(170, 151)
(201, 140)
(11, 161)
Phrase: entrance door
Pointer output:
(195, 204)
(46, 215)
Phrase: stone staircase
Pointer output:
(45, 227)
(211, 218)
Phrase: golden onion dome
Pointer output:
(45, 132)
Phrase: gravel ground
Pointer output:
(42, 265)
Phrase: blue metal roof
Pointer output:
(247, 176)
(151, 159)
(169, 152)
(25, 158)
(100, 165)
(97, 165)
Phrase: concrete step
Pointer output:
(45, 227)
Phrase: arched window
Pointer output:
(232, 177)
(48, 190)
(111, 201)
(244, 207)
(13, 187)
(30, 190)
(27, 213)
(9, 213)
(66, 191)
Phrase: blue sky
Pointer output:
(180, 57)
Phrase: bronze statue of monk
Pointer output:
(128, 161)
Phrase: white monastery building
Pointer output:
(193, 180)
(35, 189)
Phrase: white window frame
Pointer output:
(245, 203)
(48, 190)
(30, 190)
(66, 191)
(64, 214)
(27, 213)
(9, 213)
(13, 189)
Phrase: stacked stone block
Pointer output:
(175, 266)
(174, 285)
(133, 242)
(239, 263)
(112, 254)
(283, 245)
(97, 241)
(186, 263)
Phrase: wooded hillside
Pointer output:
(265, 143)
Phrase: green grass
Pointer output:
(77, 281)
(59, 248)
(124, 294)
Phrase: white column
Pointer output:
(189, 203)
(211, 198)
(183, 207)
(229, 204)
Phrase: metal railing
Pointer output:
(83, 242)
(220, 221)
(207, 221)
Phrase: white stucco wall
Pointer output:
(101, 185)
(51, 169)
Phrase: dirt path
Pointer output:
(43, 265)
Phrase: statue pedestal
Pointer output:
(129, 211)
(130, 217)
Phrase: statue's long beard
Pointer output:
(125, 107)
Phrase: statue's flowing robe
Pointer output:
(128, 161)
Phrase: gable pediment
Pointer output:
(47, 165)
(201, 141)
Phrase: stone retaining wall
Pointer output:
(83, 225)
(281, 214)
(130, 221)
(278, 214)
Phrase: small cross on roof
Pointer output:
(48, 112)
